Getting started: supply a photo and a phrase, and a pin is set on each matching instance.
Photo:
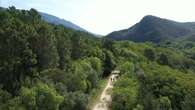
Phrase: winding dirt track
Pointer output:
(105, 99)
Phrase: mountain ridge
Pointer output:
(154, 29)
(58, 21)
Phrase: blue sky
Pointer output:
(105, 16)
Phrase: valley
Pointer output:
(48, 66)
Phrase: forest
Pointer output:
(49, 67)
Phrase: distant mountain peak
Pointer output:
(150, 17)
(154, 29)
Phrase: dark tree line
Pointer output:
(44, 66)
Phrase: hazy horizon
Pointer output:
(105, 16)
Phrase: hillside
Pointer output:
(58, 21)
(154, 29)
(49, 67)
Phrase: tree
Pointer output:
(138, 107)
(44, 46)
(127, 68)
(17, 59)
(63, 47)
(189, 102)
(125, 94)
(149, 53)
(163, 59)
(164, 104)
(78, 47)
(74, 101)
(109, 63)
(41, 97)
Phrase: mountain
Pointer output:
(58, 21)
(154, 29)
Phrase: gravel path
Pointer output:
(105, 99)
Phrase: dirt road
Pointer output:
(105, 99)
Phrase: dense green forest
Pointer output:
(49, 67)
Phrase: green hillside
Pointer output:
(49, 67)
(154, 29)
